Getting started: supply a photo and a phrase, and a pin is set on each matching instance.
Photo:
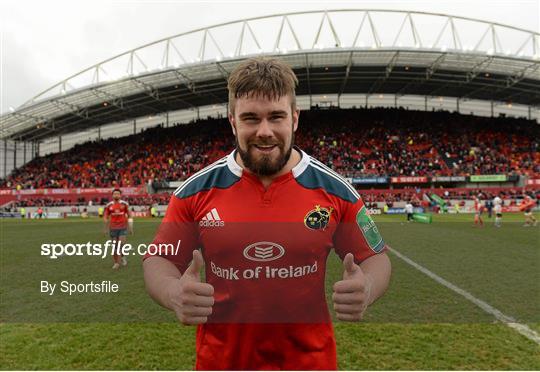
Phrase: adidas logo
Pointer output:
(212, 219)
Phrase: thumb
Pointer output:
(349, 266)
(196, 265)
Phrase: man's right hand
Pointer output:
(191, 299)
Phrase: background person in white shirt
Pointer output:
(497, 207)
(409, 210)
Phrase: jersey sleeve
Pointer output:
(178, 234)
(106, 211)
(357, 233)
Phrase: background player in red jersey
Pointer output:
(478, 209)
(275, 213)
(118, 220)
(527, 205)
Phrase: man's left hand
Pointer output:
(352, 294)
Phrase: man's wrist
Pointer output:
(369, 289)
(169, 283)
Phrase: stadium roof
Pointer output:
(347, 51)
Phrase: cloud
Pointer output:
(47, 41)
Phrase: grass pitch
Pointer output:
(418, 324)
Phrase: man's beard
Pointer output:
(265, 166)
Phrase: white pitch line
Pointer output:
(509, 321)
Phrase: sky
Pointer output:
(44, 42)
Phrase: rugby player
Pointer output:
(265, 217)
(527, 206)
(117, 220)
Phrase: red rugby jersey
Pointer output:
(265, 253)
(477, 206)
(118, 212)
(527, 204)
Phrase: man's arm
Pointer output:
(130, 220)
(361, 286)
(186, 295)
(171, 280)
(159, 274)
(105, 222)
(377, 270)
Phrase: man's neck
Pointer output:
(294, 159)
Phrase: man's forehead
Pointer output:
(262, 105)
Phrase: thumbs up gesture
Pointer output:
(191, 299)
(352, 294)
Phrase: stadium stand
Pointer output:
(354, 142)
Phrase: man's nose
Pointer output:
(264, 129)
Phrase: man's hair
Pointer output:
(117, 189)
(262, 77)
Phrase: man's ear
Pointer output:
(232, 122)
(296, 117)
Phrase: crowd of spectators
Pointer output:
(144, 200)
(359, 142)
(510, 195)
